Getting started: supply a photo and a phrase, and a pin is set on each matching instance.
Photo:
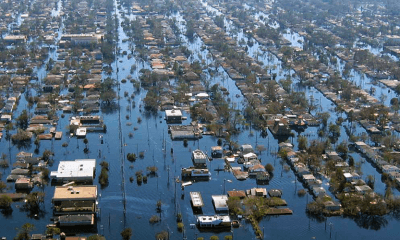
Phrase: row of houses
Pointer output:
(306, 176)
(374, 155)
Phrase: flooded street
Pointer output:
(130, 128)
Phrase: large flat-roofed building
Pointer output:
(82, 39)
(75, 193)
(220, 202)
(80, 170)
(68, 200)
(15, 39)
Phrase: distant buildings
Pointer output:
(15, 39)
(82, 39)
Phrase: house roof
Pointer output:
(78, 168)
(240, 194)
(220, 202)
(66, 193)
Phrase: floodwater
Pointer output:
(125, 204)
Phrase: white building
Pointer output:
(220, 202)
(246, 148)
(82, 39)
(215, 221)
(80, 170)
(249, 156)
(389, 169)
(199, 157)
(173, 115)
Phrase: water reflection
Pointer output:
(371, 222)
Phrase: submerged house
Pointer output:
(216, 221)
(199, 157)
(90, 123)
(220, 203)
(71, 203)
(173, 115)
(216, 152)
(180, 132)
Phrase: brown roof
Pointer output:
(240, 194)
(75, 193)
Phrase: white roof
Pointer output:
(197, 200)
(319, 190)
(78, 169)
(308, 177)
(214, 219)
(249, 155)
(202, 95)
(220, 202)
(173, 112)
(247, 147)
(390, 167)
(347, 175)
(198, 154)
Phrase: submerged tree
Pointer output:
(107, 92)
(24, 232)
(22, 120)
(126, 234)
(34, 202)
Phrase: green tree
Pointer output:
(24, 232)
(269, 168)
(131, 157)
(162, 235)
(22, 120)
(180, 226)
(283, 153)
(303, 142)
(126, 234)
(103, 178)
(53, 231)
(371, 181)
(37, 143)
(107, 92)
(96, 237)
(324, 117)
(351, 161)
(34, 201)
(334, 130)
(3, 186)
(342, 149)
(159, 204)
(47, 154)
(5, 202)
(388, 191)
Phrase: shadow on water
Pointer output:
(34, 213)
(7, 212)
(24, 145)
(316, 217)
(371, 222)
(109, 109)
(81, 229)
